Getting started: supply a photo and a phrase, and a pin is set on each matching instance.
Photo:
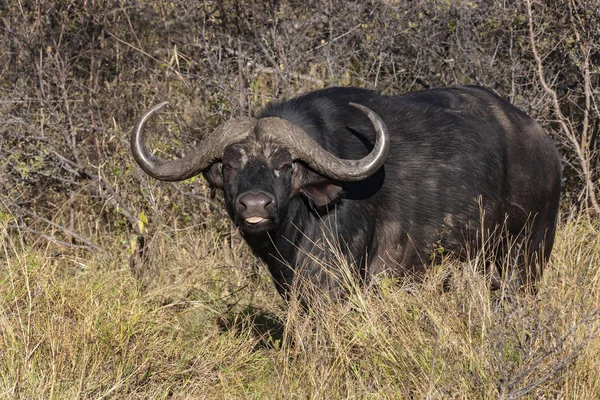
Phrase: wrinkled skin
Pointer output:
(268, 171)
(455, 153)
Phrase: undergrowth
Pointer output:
(195, 316)
(209, 325)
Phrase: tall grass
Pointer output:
(207, 325)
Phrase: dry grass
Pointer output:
(198, 320)
(207, 326)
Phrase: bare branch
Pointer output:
(52, 238)
(61, 228)
(578, 147)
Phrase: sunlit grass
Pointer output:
(206, 326)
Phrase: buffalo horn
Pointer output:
(195, 161)
(304, 148)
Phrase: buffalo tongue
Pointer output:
(254, 220)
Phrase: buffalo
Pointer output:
(393, 180)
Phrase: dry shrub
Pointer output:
(200, 320)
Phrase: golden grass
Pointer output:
(206, 326)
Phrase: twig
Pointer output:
(270, 58)
(51, 238)
(336, 38)
(295, 75)
(562, 364)
(116, 200)
(168, 65)
(76, 236)
(579, 148)
(241, 81)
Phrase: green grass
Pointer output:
(206, 326)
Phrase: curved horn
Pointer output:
(197, 160)
(304, 148)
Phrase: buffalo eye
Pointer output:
(227, 170)
(284, 167)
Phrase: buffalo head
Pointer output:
(261, 164)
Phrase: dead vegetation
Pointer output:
(193, 316)
(83, 327)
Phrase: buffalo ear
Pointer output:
(214, 175)
(320, 190)
(322, 194)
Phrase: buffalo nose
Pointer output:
(256, 203)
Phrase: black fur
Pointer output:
(455, 152)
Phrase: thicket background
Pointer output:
(75, 76)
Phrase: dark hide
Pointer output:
(455, 153)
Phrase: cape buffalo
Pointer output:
(392, 179)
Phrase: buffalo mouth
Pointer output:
(255, 220)
(256, 224)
